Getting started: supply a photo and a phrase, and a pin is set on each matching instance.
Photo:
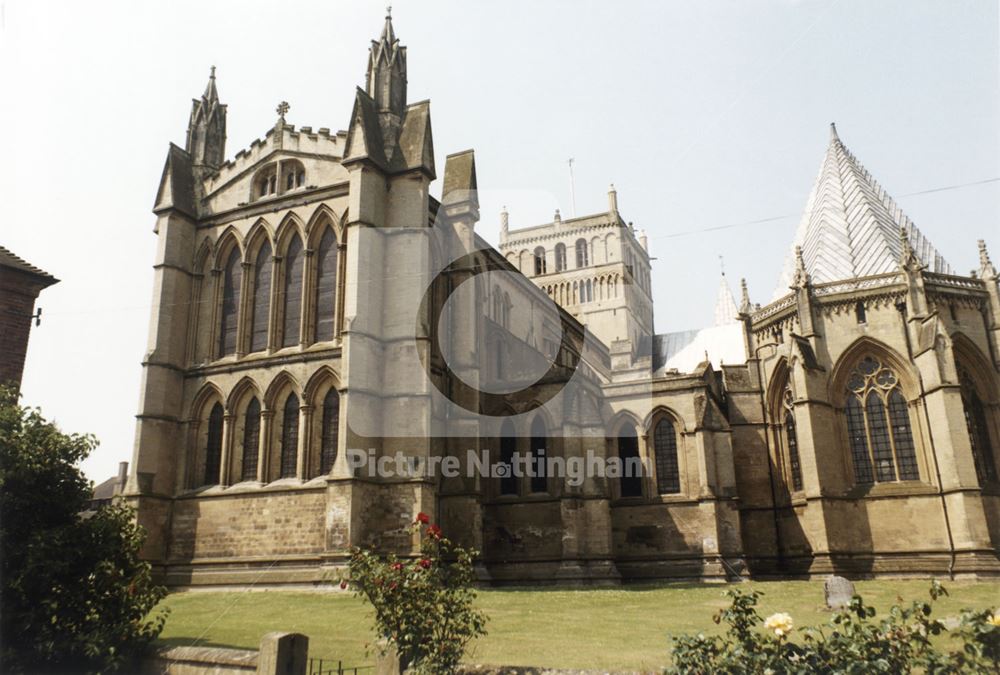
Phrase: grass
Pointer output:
(622, 629)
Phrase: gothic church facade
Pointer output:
(308, 300)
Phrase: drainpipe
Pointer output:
(930, 434)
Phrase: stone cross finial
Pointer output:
(986, 268)
(282, 108)
(213, 73)
(745, 305)
(388, 11)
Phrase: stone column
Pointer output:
(302, 452)
(264, 446)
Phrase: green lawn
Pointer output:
(615, 629)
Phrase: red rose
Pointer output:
(425, 563)
(434, 531)
(397, 566)
(423, 518)
(343, 585)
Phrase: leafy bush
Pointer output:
(75, 594)
(423, 606)
(853, 642)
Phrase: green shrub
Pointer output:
(423, 606)
(854, 642)
(75, 595)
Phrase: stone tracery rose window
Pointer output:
(878, 425)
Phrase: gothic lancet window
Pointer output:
(630, 482)
(878, 425)
(582, 259)
(232, 275)
(261, 299)
(668, 479)
(213, 446)
(251, 440)
(292, 295)
(539, 455)
(791, 438)
(326, 286)
(979, 435)
(290, 436)
(330, 431)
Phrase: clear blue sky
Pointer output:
(702, 114)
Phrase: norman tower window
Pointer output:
(560, 257)
(668, 478)
(539, 261)
(878, 425)
(213, 446)
(582, 259)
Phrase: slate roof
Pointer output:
(851, 226)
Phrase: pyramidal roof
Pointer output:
(851, 226)
(725, 304)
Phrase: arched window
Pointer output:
(292, 295)
(878, 425)
(630, 482)
(582, 259)
(330, 431)
(261, 299)
(326, 287)
(300, 178)
(290, 436)
(791, 437)
(560, 257)
(251, 440)
(232, 276)
(590, 291)
(508, 445)
(979, 435)
(539, 261)
(290, 180)
(213, 446)
(668, 477)
(539, 455)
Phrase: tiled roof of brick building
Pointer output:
(11, 261)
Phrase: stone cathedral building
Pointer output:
(312, 297)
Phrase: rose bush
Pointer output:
(853, 642)
(423, 606)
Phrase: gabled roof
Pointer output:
(851, 226)
(364, 138)
(11, 261)
(176, 184)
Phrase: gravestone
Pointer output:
(839, 592)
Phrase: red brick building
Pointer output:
(20, 284)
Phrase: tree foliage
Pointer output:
(76, 597)
(423, 606)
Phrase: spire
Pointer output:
(725, 305)
(851, 226)
(206, 135)
(386, 78)
(613, 200)
(504, 221)
(801, 277)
